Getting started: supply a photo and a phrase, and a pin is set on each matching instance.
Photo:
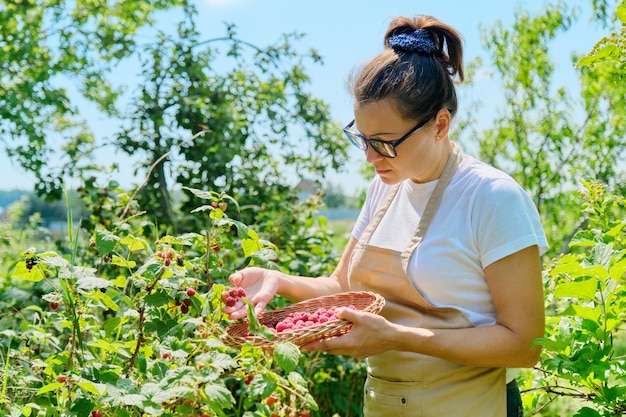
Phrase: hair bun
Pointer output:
(419, 41)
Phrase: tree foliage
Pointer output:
(546, 135)
(256, 124)
(48, 48)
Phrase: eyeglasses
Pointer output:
(385, 148)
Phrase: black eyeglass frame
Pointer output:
(378, 144)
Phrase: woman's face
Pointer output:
(418, 157)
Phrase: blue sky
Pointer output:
(346, 33)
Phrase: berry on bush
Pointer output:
(54, 305)
(61, 378)
(96, 413)
(191, 292)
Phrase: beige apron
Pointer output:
(410, 384)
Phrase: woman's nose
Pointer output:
(371, 155)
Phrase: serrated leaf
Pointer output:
(132, 399)
(587, 412)
(219, 397)
(35, 274)
(618, 271)
(105, 242)
(287, 355)
(124, 263)
(583, 290)
(50, 387)
(254, 325)
(297, 381)
(205, 195)
(52, 259)
(134, 243)
(91, 387)
(250, 246)
(157, 299)
(88, 284)
(106, 300)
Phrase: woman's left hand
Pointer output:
(366, 338)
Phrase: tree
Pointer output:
(253, 121)
(545, 136)
(43, 42)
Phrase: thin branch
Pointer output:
(153, 166)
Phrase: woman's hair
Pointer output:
(416, 70)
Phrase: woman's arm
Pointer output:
(262, 284)
(516, 286)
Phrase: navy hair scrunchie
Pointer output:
(419, 41)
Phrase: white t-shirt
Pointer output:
(484, 216)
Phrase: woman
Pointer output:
(452, 244)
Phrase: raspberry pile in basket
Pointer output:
(230, 296)
(301, 319)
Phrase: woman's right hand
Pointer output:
(260, 284)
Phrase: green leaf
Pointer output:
(132, 399)
(286, 355)
(105, 242)
(219, 397)
(34, 274)
(587, 412)
(50, 387)
(618, 271)
(134, 244)
(157, 299)
(621, 13)
(254, 325)
(124, 263)
(250, 246)
(583, 290)
(82, 407)
(297, 381)
(91, 388)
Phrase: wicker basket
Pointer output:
(237, 334)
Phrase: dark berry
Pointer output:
(231, 301)
(184, 309)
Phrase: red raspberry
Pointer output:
(96, 413)
(54, 305)
(191, 292)
(231, 301)
(241, 292)
(271, 400)
(165, 355)
(249, 379)
(61, 378)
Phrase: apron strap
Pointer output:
(452, 164)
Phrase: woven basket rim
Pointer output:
(236, 335)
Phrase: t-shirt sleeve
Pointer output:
(506, 220)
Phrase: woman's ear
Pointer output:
(442, 123)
